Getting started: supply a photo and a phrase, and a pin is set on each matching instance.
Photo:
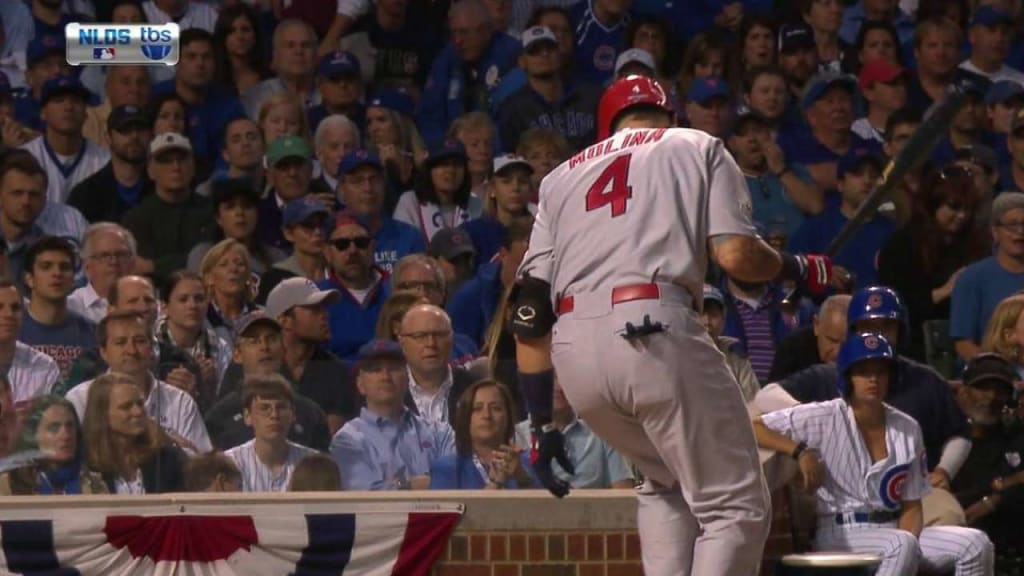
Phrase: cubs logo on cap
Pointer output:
(874, 301)
(871, 342)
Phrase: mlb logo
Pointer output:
(103, 53)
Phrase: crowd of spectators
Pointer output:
(282, 264)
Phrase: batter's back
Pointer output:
(636, 208)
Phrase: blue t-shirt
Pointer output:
(977, 292)
(207, 120)
(800, 146)
(63, 342)
(859, 256)
(771, 203)
(395, 240)
(597, 46)
(487, 234)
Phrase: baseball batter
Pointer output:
(609, 293)
(875, 471)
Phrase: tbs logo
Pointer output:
(111, 44)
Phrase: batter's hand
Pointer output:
(812, 470)
(548, 445)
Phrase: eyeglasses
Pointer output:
(1016, 227)
(956, 171)
(422, 336)
(412, 286)
(342, 244)
(269, 408)
(111, 257)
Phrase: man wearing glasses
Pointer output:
(268, 460)
(170, 222)
(361, 184)
(426, 338)
(363, 290)
(108, 253)
(982, 285)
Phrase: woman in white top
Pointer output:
(441, 198)
(125, 445)
(867, 461)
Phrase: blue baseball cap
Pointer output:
(339, 63)
(449, 148)
(392, 100)
(42, 46)
(63, 85)
(990, 16)
(357, 158)
(855, 158)
(795, 37)
(379, 349)
(1002, 91)
(713, 294)
(822, 83)
(302, 209)
(703, 89)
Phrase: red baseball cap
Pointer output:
(879, 71)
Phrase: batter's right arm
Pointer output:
(751, 259)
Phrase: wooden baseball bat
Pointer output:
(917, 149)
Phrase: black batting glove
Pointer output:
(548, 445)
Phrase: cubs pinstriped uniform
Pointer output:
(63, 221)
(256, 477)
(860, 500)
(61, 177)
(32, 373)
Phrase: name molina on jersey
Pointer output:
(611, 145)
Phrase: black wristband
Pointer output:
(800, 449)
(792, 267)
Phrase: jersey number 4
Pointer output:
(612, 187)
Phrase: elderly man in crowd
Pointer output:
(108, 253)
(335, 137)
(289, 173)
(425, 335)
(294, 65)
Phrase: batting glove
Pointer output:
(817, 272)
(548, 445)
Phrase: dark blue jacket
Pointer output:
(456, 472)
(472, 307)
(444, 95)
(353, 324)
(915, 389)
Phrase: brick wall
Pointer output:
(571, 553)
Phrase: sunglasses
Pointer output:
(342, 244)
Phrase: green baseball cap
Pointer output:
(288, 147)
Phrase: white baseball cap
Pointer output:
(507, 160)
(169, 141)
(297, 291)
(638, 55)
(536, 34)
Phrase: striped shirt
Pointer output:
(256, 476)
(64, 174)
(854, 483)
(757, 327)
(32, 373)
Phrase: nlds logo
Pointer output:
(112, 44)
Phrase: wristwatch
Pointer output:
(800, 449)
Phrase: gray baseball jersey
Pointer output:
(638, 207)
(854, 483)
(61, 178)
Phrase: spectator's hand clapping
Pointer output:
(182, 379)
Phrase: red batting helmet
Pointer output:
(626, 93)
